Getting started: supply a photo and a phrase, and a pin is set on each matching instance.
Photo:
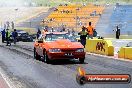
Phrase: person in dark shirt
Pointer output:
(14, 35)
(3, 35)
(117, 33)
(38, 33)
(95, 33)
(83, 34)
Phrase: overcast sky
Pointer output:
(14, 2)
(11, 2)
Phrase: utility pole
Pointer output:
(30, 24)
(76, 19)
(43, 22)
(76, 15)
(16, 10)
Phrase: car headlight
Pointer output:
(80, 50)
(54, 50)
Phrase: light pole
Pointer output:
(16, 13)
(43, 21)
(77, 9)
(76, 18)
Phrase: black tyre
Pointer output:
(82, 60)
(34, 53)
(45, 57)
(82, 80)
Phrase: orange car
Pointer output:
(58, 45)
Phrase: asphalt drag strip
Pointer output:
(37, 74)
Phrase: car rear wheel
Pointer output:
(34, 53)
(45, 57)
(81, 60)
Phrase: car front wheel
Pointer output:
(34, 53)
(45, 57)
(81, 60)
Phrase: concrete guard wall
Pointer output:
(100, 46)
(125, 52)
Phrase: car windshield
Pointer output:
(54, 37)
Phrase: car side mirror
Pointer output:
(40, 41)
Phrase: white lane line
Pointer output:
(6, 79)
(110, 57)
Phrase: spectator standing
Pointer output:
(68, 31)
(8, 37)
(44, 30)
(95, 33)
(3, 35)
(52, 29)
(90, 31)
(38, 33)
(63, 29)
(83, 34)
(73, 32)
(117, 32)
(14, 35)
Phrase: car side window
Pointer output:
(48, 37)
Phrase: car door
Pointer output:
(40, 50)
(42, 45)
(38, 45)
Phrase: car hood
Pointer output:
(65, 43)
